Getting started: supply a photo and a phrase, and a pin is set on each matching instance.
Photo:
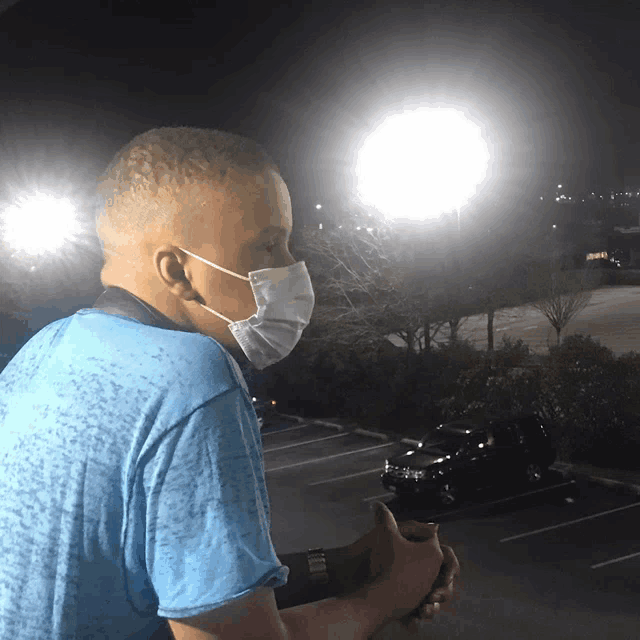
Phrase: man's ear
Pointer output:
(168, 262)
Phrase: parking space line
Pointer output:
(507, 499)
(298, 426)
(337, 455)
(570, 522)
(382, 495)
(603, 564)
(353, 475)
(299, 444)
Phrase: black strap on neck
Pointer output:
(124, 303)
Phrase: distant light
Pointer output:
(559, 186)
(320, 226)
(358, 228)
(369, 228)
(541, 198)
(39, 223)
(318, 206)
(554, 226)
(340, 227)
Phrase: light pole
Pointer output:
(422, 162)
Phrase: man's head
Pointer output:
(212, 193)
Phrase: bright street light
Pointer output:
(421, 163)
(39, 223)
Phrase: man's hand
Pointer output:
(359, 553)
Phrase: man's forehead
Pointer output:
(256, 202)
(273, 208)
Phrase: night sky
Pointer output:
(554, 84)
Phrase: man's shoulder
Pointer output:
(191, 356)
(200, 357)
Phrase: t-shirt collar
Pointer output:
(122, 302)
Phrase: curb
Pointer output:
(372, 434)
(324, 423)
(298, 419)
(629, 487)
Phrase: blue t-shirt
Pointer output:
(131, 482)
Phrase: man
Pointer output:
(132, 486)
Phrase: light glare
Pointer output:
(39, 223)
(422, 163)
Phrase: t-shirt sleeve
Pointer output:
(208, 517)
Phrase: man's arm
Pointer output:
(402, 571)
(346, 574)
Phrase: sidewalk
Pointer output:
(627, 482)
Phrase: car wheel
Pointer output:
(534, 473)
(447, 494)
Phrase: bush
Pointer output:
(594, 396)
(590, 399)
(511, 353)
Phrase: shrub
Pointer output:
(511, 353)
(583, 386)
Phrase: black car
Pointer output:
(464, 455)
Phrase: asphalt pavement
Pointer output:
(558, 562)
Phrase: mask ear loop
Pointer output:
(215, 266)
(216, 313)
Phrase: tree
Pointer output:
(564, 299)
(495, 270)
(373, 280)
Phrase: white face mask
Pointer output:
(284, 297)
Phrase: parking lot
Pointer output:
(561, 560)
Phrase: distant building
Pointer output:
(626, 243)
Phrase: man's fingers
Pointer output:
(419, 531)
(451, 563)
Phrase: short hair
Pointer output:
(166, 157)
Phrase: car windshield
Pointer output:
(445, 441)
